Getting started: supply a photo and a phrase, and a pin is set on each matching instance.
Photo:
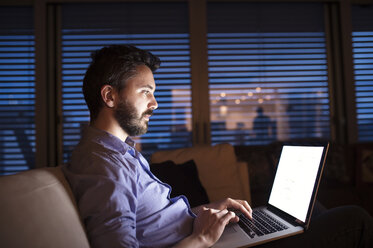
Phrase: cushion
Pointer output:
(37, 209)
(217, 168)
(184, 180)
(262, 161)
(245, 180)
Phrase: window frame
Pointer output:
(47, 74)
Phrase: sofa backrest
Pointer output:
(219, 171)
(37, 209)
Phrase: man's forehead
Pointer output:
(142, 79)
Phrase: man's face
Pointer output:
(136, 102)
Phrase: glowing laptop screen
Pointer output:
(295, 179)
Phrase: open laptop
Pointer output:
(289, 208)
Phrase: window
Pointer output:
(362, 42)
(267, 72)
(17, 86)
(161, 28)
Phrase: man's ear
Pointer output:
(108, 95)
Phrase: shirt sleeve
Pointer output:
(107, 200)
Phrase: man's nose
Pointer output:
(153, 104)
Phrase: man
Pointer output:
(121, 202)
(124, 205)
(264, 128)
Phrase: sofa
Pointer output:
(38, 210)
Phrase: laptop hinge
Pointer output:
(285, 216)
(299, 222)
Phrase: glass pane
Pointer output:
(266, 84)
(362, 42)
(17, 90)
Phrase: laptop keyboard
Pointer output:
(261, 224)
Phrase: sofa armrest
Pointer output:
(37, 209)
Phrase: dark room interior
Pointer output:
(253, 74)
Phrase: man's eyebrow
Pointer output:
(147, 86)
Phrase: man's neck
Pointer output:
(107, 123)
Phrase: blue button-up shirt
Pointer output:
(121, 202)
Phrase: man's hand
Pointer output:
(207, 228)
(211, 221)
(230, 204)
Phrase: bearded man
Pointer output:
(123, 204)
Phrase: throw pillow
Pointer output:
(217, 169)
(184, 180)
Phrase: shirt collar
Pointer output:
(108, 140)
(130, 142)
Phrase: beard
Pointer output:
(128, 119)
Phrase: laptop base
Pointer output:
(234, 236)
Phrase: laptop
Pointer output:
(289, 208)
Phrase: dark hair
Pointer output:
(113, 65)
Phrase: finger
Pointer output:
(248, 208)
(242, 206)
(221, 213)
(211, 210)
(205, 208)
(227, 217)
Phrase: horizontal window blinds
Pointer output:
(161, 28)
(17, 89)
(267, 72)
(362, 42)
